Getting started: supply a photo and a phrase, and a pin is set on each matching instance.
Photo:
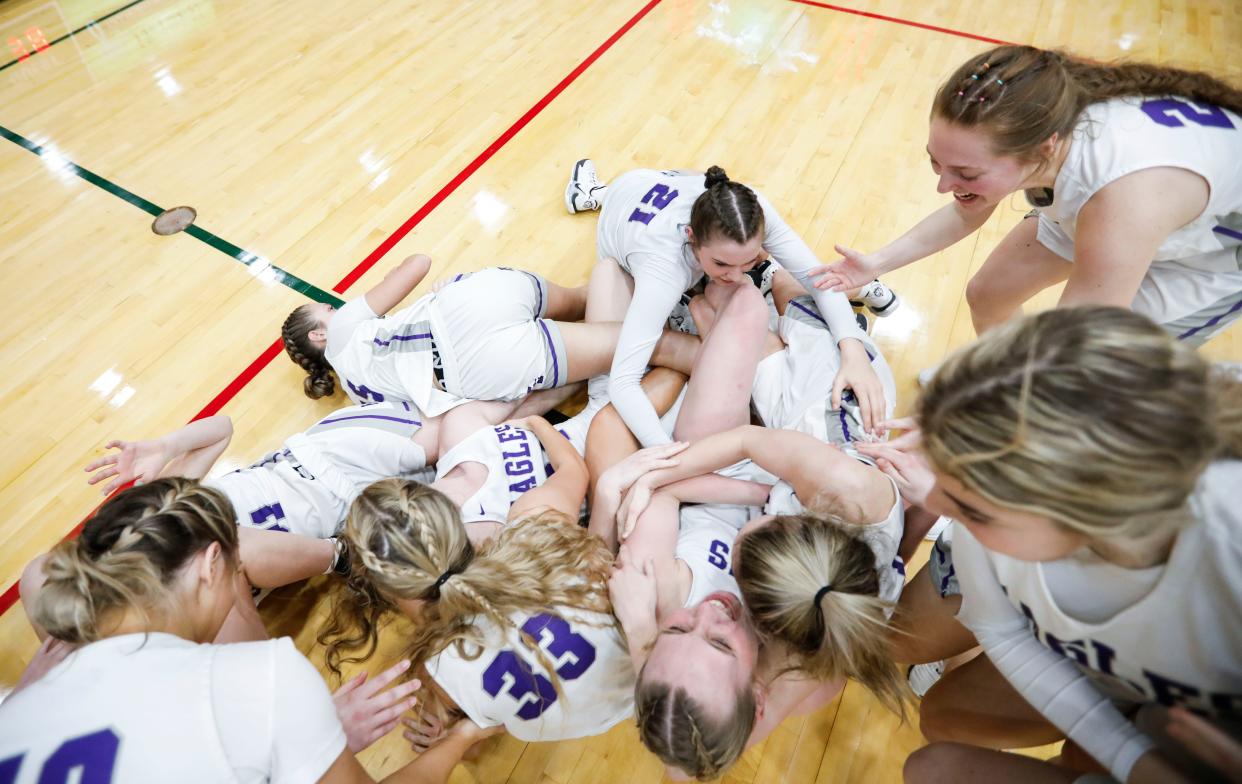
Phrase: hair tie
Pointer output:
(998, 81)
(442, 579)
(975, 77)
(959, 92)
(820, 594)
(984, 67)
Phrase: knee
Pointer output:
(930, 764)
(979, 292)
(747, 308)
(935, 716)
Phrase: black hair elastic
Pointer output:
(442, 580)
(820, 594)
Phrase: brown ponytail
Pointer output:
(128, 554)
(296, 336)
(727, 209)
(1023, 95)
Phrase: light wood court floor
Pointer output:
(316, 135)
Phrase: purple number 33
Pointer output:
(660, 196)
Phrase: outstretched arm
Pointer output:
(817, 471)
(398, 283)
(188, 451)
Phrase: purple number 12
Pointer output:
(659, 197)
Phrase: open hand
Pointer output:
(137, 461)
(853, 270)
(368, 711)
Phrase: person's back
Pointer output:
(156, 707)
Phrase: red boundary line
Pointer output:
(899, 20)
(10, 595)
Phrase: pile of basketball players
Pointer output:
(717, 540)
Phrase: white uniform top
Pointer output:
(515, 463)
(157, 708)
(508, 685)
(306, 487)
(884, 537)
(387, 359)
(705, 545)
(1124, 135)
(643, 226)
(1179, 643)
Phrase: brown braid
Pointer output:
(295, 333)
(727, 209)
(676, 728)
(1023, 95)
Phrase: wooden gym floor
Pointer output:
(322, 142)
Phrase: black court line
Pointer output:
(72, 33)
(257, 265)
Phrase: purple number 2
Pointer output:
(660, 196)
(1162, 110)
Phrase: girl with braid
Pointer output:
(141, 697)
(494, 334)
(515, 634)
(1134, 171)
(660, 233)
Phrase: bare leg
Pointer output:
(924, 625)
(609, 292)
(975, 704)
(918, 522)
(951, 763)
(590, 347)
(542, 401)
(1016, 270)
(704, 315)
(565, 304)
(718, 396)
(784, 288)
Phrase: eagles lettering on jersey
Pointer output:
(519, 464)
(1146, 685)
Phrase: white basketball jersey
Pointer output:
(1181, 642)
(705, 545)
(884, 537)
(390, 359)
(306, 487)
(157, 708)
(506, 684)
(515, 463)
(1124, 135)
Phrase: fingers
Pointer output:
(107, 473)
(350, 685)
(838, 387)
(106, 460)
(1203, 739)
(386, 677)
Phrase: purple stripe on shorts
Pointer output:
(845, 426)
(420, 336)
(809, 312)
(1228, 232)
(372, 416)
(538, 290)
(556, 365)
(1211, 322)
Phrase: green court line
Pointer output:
(72, 33)
(257, 265)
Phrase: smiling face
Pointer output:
(726, 262)
(709, 650)
(963, 160)
(1018, 534)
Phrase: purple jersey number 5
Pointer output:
(660, 196)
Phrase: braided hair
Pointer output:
(726, 209)
(295, 334)
(676, 728)
(407, 541)
(1022, 95)
(129, 553)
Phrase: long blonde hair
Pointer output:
(781, 568)
(407, 541)
(128, 555)
(1091, 416)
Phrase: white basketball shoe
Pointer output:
(878, 298)
(585, 190)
